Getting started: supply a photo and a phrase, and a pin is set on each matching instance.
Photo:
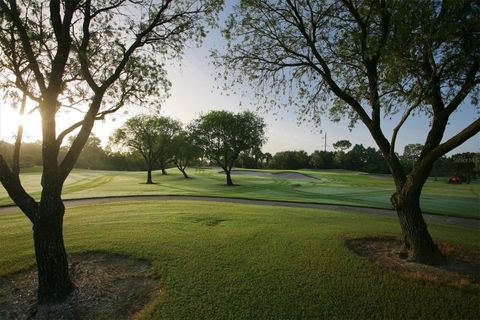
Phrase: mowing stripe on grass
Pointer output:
(474, 223)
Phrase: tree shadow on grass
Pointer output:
(462, 269)
(107, 286)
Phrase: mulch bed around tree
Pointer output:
(462, 269)
(108, 286)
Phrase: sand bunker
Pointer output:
(250, 173)
(280, 175)
(293, 175)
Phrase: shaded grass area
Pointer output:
(330, 187)
(230, 261)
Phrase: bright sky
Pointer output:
(195, 91)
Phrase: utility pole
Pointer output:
(325, 143)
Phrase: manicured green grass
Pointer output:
(228, 261)
(331, 187)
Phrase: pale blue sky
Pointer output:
(194, 90)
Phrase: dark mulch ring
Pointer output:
(462, 268)
(108, 286)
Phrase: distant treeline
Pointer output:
(365, 159)
(93, 156)
(358, 158)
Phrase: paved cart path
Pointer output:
(474, 223)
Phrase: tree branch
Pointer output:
(18, 139)
(139, 41)
(82, 51)
(325, 72)
(86, 126)
(89, 119)
(14, 16)
(455, 141)
(467, 86)
(56, 19)
(11, 183)
(404, 118)
(108, 8)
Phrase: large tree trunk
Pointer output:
(417, 239)
(54, 284)
(164, 172)
(229, 178)
(149, 176)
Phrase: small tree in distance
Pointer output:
(322, 159)
(92, 155)
(290, 160)
(267, 157)
(224, 135)
(167, 129)
(342, 145)
(184, 151)
(148, 136)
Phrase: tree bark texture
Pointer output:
(184, 173)
(229, 178)
(417, 239)
(149, 176)
(54, 283)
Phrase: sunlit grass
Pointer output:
(330, 187)
(228, 261)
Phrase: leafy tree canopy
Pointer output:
(342, 145)
(224, 135)
(366, 61)
(150, 136)
(184, 151)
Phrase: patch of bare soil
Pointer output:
(462, 268)
(108, 286)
